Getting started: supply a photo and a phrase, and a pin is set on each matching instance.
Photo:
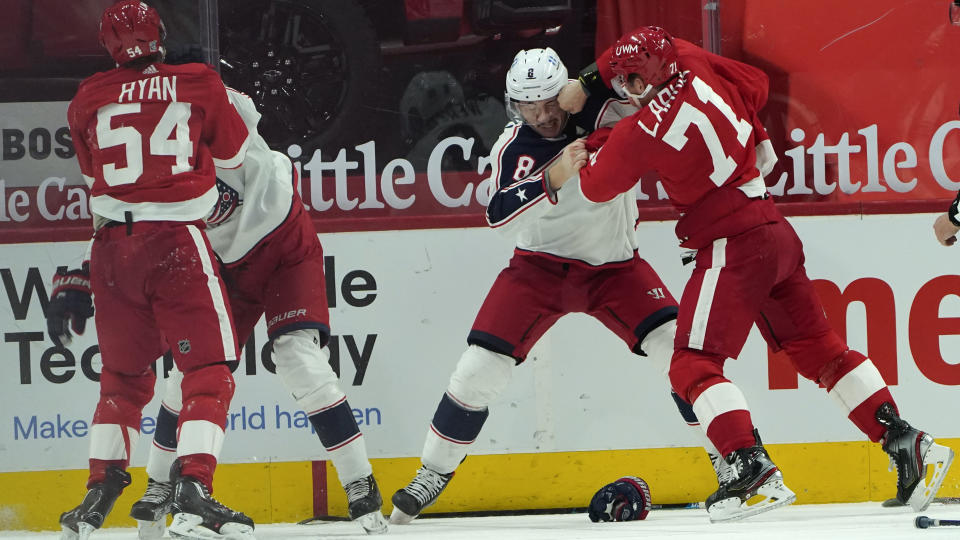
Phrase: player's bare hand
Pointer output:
(572, 159)
(945, 231)
(576, 155)
(572, 97)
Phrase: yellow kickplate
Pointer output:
(284, 492)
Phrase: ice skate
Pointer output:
(152, 509)
(88, 516)
(916, 458)
(420, 493)
(198, 516)
(365, 503)
(756, 486)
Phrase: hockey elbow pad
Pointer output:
(590, 80)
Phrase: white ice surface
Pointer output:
(820, 522)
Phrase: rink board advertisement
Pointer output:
(363, 188)
(403, 301)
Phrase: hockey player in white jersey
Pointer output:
(273, 265)
(572, 255)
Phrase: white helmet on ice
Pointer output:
(535, 75)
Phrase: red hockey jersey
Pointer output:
(701, 135)
(147, 141)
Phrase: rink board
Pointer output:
(289, 492)
(580, 412)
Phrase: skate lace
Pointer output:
(426, 485)
(217, 504)
(157, 492)
(892, 445)
(357, 489)
(725, 473)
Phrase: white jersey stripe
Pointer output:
(495, 173)
(199, 437)
(216, 294)
(718, 399)
(237, 159)
(521, 210)
(857, 386)
(193, 209)
(701, 315)
(107, 442)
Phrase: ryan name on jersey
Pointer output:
(158, 87)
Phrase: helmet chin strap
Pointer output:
(639, 97)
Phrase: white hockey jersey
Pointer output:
(570, 227)
(255, 198)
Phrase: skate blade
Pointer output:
(936, 463)
(399, 517)
(373, 523)
(151, 530)
(190, 527)
(768, 497)
(145, 514)
(83, 532)
(67, 533)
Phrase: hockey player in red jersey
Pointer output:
(571, 256)
(697, 127)
(147, 137)
(273, 265)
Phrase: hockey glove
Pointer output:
(954, 210)
(627, 499)
(71, 304)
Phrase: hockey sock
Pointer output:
(453, 430)
(855, 383)
(164, 448)
(340, 435)
(723, 409)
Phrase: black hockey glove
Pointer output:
(627, 499)
(71, 304)
(954, 210)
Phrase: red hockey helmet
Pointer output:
(647, 51)
(131, 29)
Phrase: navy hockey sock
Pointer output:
(166, 434)
(456, 423)
(335, 425)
